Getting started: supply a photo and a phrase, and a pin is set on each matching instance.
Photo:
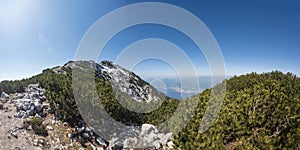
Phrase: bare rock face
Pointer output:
(149, 137)
(120, 78)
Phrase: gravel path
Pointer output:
(9, 123)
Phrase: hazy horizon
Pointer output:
(254, 36)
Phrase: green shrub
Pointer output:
(37, 126)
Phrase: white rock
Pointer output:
(14, 134)
(149, 137)
(38, 107)
(147, 129)
(170, 145)
(49, 128)
(35, 142)
(4, 95)
(101, 141)
(70, 135)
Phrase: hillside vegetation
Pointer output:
(260, 111)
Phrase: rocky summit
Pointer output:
(120, 78)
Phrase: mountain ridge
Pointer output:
(260, 111)
(120, 78)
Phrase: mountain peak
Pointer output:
(119, 77)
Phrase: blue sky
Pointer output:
(253, 35)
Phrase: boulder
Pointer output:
(25, 106)
(75, 139)
(34, 95)
(147, 129)
(31, 111)
(41, 114)
(35, 142)
(4, 95)
(116, 143)
(166, 137)
(20, 114)
(38, 107)
(149, 137)
(85, 136)
(49, 128)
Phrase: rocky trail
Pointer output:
(17, 132)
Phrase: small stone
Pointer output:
(75, 139)
(14, 134)
(79, 130)
(53, 122)
(20, 125)
(35, 142)
(49, 128)
(31, 111)
(29, 128)
(42, 142)
(87, 129)
(20, 114)
(70, 135)
(85, 136)
(101, 141)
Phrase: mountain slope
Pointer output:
(120, 78)
(260, 111)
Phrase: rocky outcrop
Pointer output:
(33, 103)
(149, 137)
(120, 78)
(30, 103)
